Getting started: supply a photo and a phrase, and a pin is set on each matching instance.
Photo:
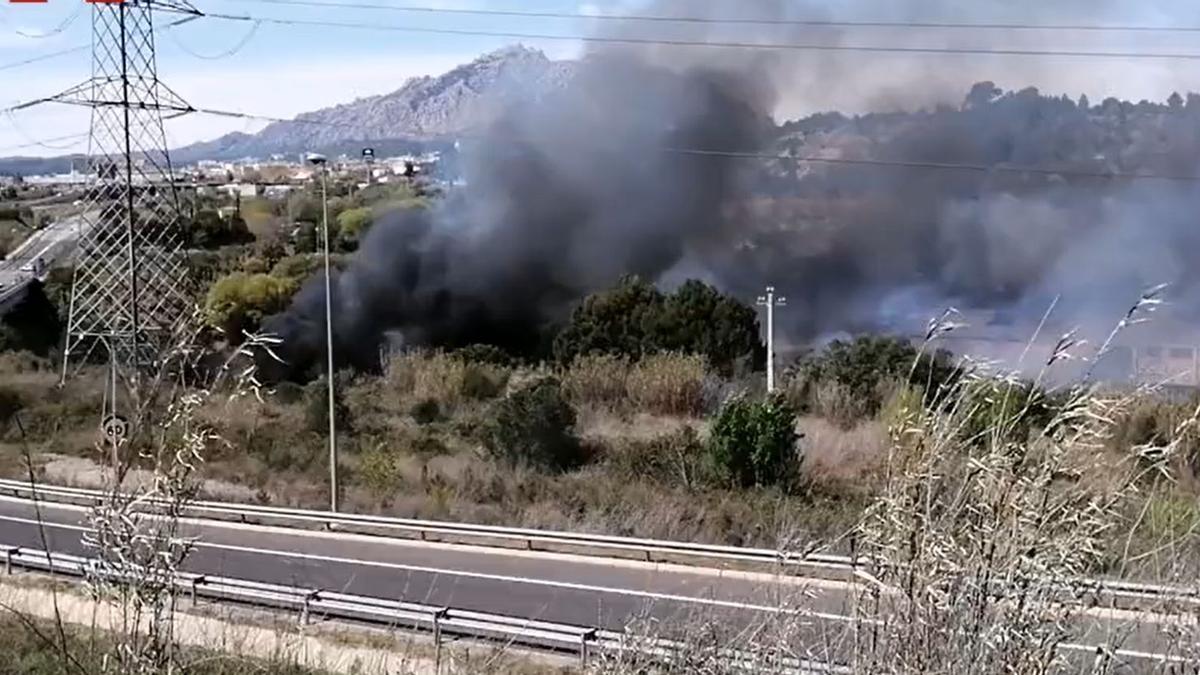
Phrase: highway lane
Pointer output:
(552, 587)
(49, 244)
(561, 588)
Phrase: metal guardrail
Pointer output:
(1116, 593)
(435, 620)
(650, 550)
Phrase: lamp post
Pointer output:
(322, 163)
(771, 301)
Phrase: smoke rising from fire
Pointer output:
(568, 193)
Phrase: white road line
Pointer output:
(474, 549)
(710, 602)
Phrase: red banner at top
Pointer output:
(90, 2)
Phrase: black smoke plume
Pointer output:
(566, 194)
(563, 197)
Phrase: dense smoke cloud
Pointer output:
(565, 195)
(568, 193)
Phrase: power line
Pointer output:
(62, 26)
(44, 57)
(905, 164)
(732, 154)
(44, 142)
(517, 35)
(237, 46)
(733, 21)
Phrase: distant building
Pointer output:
(239, 189)
(277, 191)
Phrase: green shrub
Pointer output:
(671, 459)
(754, 443)
(209, 230)
(288, 393)
(1005, 411)
(864, 369)
(635, 319)
(481, 381)
(1155, 422)
(239, 302)
(379, 471)
(316, 406)
(536, 426)
(11, 403)
(485, 354)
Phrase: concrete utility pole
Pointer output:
(320, 161)
(771, 301)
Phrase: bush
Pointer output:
(34, 325)
(1007, 411)
(536, 426)
(426, 411)
(1154, 422)
(486, 354)
(481, 382)
(379, 471)
(865, 368)
(11, 403)
(754, 443)
(238, 303)
(316, 406)
(670, 459)
(635, 319)
(211, 231)
(444, 378)
(352, 224)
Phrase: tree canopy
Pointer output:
(635, 318)
(239, 302)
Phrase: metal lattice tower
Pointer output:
(130, 292)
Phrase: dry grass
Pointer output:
(843, 459)
(669, 384)
(663, 384)
(597, 381)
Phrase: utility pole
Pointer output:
(771, 301)
(320, 161)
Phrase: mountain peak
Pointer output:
(512, 53)
(422, 108)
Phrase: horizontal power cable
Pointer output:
(767, 46)
(735, 21)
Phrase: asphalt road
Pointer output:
(50, 244)
(567, 589)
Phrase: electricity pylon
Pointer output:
(130, 292)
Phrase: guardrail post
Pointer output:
(8, 560)
(196, 582)
(304, 610)
(583, 647)
(437, 638)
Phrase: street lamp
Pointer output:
(320, 161)
(771, 301)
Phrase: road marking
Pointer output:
(1144, 617)
(476, 549)
(649, 595)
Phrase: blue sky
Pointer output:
(281, 71)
